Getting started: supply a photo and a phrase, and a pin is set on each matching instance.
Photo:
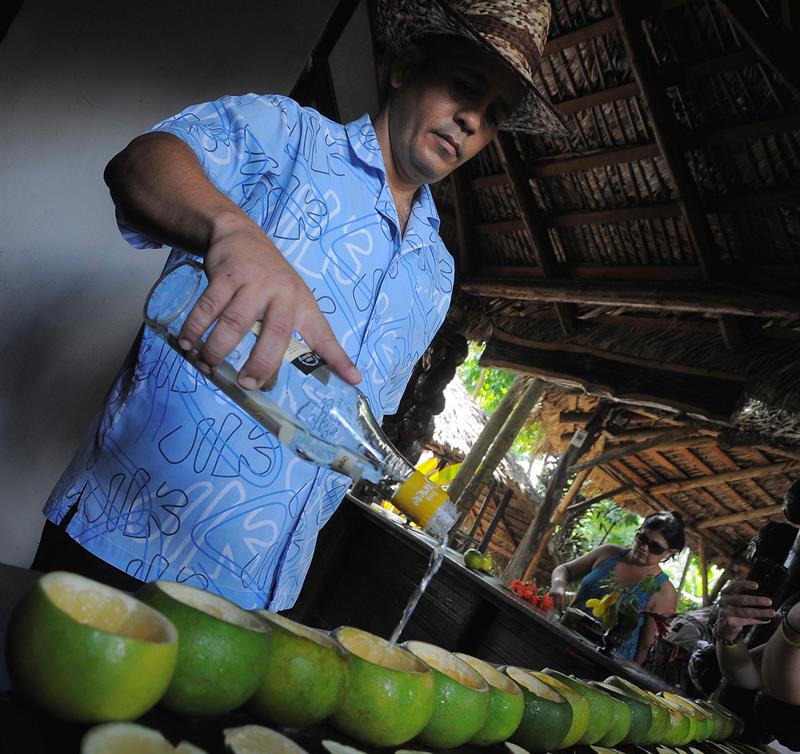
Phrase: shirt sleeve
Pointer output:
(237, 140)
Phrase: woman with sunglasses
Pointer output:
(661, 536)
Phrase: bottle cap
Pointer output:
(420, 498)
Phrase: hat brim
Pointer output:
(405, 21)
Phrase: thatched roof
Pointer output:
(652, 256)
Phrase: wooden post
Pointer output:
(701, 554)
(496, 421)
(684, 573)
(559, 512)
(499, 447)
(498, 514)
(582, 440)
(486, 501)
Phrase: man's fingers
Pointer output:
(267, 354)
(233, 322)
(320, 337)
(207, 308)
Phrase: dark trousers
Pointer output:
(59, 552)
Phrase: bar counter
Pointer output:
(365, 567)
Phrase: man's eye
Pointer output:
(466, 87)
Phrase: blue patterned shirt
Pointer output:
(173, 480)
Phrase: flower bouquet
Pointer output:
(537, 596)
(618, 610)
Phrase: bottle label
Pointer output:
(297, 353)
(420, 498)
(303, 357)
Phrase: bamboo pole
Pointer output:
(701, 554)
(476, 453)
(499, 447)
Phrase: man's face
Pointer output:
(446, 108)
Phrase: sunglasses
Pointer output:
(653, 547)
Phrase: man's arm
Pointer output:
(160, 189)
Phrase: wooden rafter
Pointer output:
(582, 34)
(533, 221)
(670, 439)
(734, 518)
(709, 480)
(774, 46)
(655, 504)
(704, 495)
(727, 462)
(711, 299)
(666, 135)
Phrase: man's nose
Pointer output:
(469, 118)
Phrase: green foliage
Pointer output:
(494, 385)
(603, 523)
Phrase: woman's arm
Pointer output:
(738, 609)
(781, 663)
(664, 601)
(566, 573)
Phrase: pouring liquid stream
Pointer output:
(434, 564)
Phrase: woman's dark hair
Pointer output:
(670, 525)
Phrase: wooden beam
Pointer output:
(776, 48)
(703, 495)
(727, 462)
(709, 299)
(669, 437)
(658, 211)
(600, 158)
(773, 469)
(667, 135)
(746, 131)
(710, 397)
(695, 461)
(583, 34)
(603, 353)
(734, 518)
(594, 99)
(535, 224)
(511, 160)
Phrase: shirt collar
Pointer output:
(365, 146)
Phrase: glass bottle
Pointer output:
(331, 423)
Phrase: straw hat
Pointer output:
(516, 30)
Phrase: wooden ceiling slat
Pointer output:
(583, 34)
(727, 462)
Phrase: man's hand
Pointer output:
(738, 609)
(249, 280)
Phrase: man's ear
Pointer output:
(404, 63)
